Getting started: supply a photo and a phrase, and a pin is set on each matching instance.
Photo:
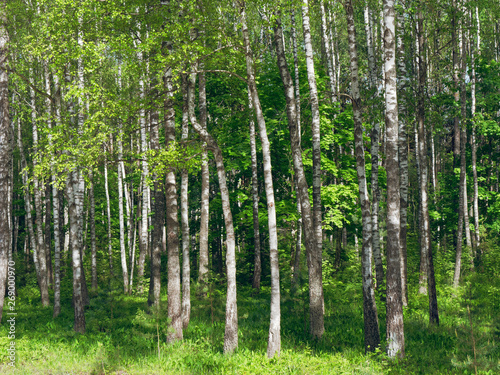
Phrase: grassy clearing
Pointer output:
(123, 337)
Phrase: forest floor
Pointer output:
(123, 337)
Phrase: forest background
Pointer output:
(292, 187)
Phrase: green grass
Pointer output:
(122, 335)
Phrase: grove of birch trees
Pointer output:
(164, 148)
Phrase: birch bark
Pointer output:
(274, 341)
(143, 231)
(158, 219)
(121, 177)
(313, 97)
(174, 271)
(37, 191)
(108, 213)
(186, 267)
(205, 191)
(403, 157)
(298, 244)
(473, 135)
(93, 250)
(316, 312)
(326, 42)
(371, 327)
(255, 198)
(425, 236)
(394, 306)
(6, 159)
(231, 329)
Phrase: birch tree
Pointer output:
(174, 271)
(370, 317)
(316, 314)
(186, 267)
(315, 126)
(394, 306)
(231, 328)
(425, 236)
(6, 159)
(274, 341)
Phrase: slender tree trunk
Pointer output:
(326, 41)
(316, 312)
(379, 268)
(255, 196)
(135, 224)
(456, 127)
(375, 135)
(186, 266)
(37, 191)
(369, 42)
(462, 210)
(48, 236)
(425, 237)
(231, 329)
(6, 161)
(121, 178)
(28, 201)
(75, 193)
(371, 328)
(174, 272)
(158, 219)
(403, 159)
(143, 232)
(298, 244)
(313, 97)
(57, 249)
(108, 212)
(463, 110)
(394, 306)
(473, 135)
(55, 192)
(93, 250)
(274, 341)
(205, 192)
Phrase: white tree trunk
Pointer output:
(370, 317)
(403, 157)
(313, 97)
(274, 341)
(93, 245)
(186, 267)
(6, 161)
(174, 271)
(108, 212)
(473, 135)
(328, 49)
(37, 191)
(316, 307)
(205, 192)
(231, 329)
(394, 307)
(143, 231)
(121, 178)
(55, 193)
(298, 243)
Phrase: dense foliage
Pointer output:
(93, 87)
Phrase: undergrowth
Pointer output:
(124, 336)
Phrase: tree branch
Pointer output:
(43, 93)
